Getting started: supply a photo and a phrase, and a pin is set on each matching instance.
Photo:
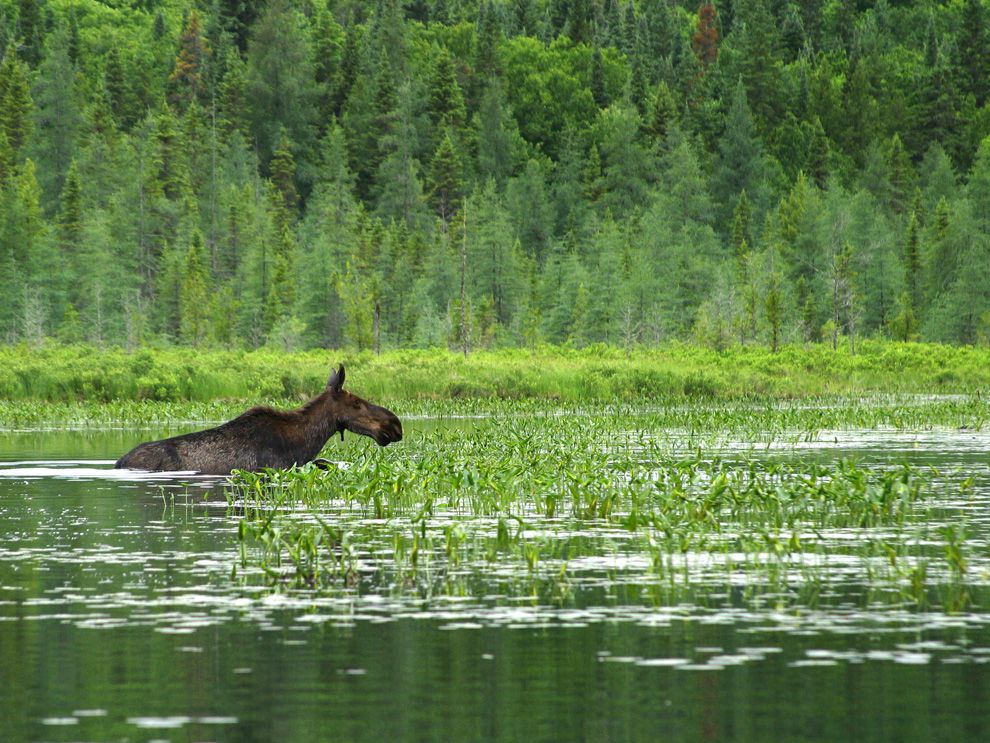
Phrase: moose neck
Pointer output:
(319, 421)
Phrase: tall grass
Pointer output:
(594, 374)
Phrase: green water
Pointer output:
(119, 620)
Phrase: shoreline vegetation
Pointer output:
(84, 375)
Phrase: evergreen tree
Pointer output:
(755, 58)
(626, 165)
(328, 43)
(486, 62)
(741, 234)
(401, 191)
(188, 82)
(705, 39)
(280, 88)
(115, 85)
(446, 101)
(70, 216)
(741, 161)
(912, 262)
(15, 101)
(56, 114)
(30, 30)
(974, 51)
(232, 112)
(598, 87)
(446, 185)
(663, 114)
(500, 146)
(531, 211)
(194, 294)
(283, 169)
(493, 259)
(773, 306)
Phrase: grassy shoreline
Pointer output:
(68, 374)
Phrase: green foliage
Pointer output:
(594, 374)
(624, 159)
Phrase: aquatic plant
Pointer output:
(534, 505)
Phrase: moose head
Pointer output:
(360, 416)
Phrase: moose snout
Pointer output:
(390, 433)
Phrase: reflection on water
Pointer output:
(119, 620)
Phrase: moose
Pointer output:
(264, 437)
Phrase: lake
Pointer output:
(127, 612)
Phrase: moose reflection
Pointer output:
(264, 437)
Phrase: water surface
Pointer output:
(119, 619)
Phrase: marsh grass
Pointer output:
(570, 376)
(548, 506)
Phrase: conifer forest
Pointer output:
(472, 174)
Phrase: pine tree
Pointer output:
(903, 179)
(15, 101)
(756, 59)
(328, 43)
(493, 256)
(446, 189)
(486, 62)
(663, 115)
(580, 21)
(70, 215)
(115, 84)
(446, 101)
(974, 51)
(280, 87)
(845, 310)
(773, 306)
(741, 224)
(232, 114)
(531, 211)
(704, 42)
(7, 159)
(741, 160)
(499, 144)
(912, 263)
(57, 118)
(806, 309)
(598, 87)
(350, 61)
(30, 30)
(283, 169)
(187, 82)
(194, 294)
(400, 189)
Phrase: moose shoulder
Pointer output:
(264, 437)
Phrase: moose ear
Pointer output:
(336, 381)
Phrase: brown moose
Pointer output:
(264, 437)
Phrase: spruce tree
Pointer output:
(70, 215)
(912, 263)
(741, 161)
(188, 81)
(446, 182)
(194, 293)
(283, 170)
(280, 86)
(16, 104)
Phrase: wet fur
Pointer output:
(264, 437)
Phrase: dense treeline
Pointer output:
(474, 173)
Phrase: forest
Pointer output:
(472, 174)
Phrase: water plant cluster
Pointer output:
(554, 506)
